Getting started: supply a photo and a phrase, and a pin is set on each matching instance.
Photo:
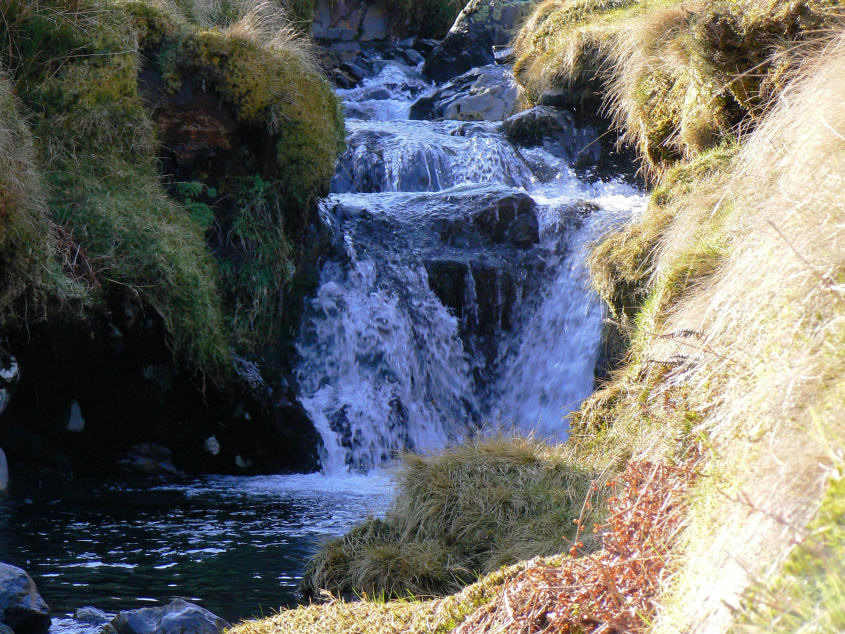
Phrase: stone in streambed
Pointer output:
(21, 607)
(556, 131)
(488, 93)
(149, 459)
(178, 617)
(10, 376)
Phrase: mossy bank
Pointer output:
(159, 220)
(726, 300)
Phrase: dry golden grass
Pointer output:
(677, 75)
(738, 340)
(458, 514)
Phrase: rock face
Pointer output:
(178, 617)
(488, 93)
(21, 607)
(480, 26)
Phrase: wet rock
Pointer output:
(21, 607)
(75, 420)
(10, 376)
(376, 24)
(480, 26)
(149, 459)
(211, 446)
(556, 131)
(481, 94)
(4, 473)
(92, 615)
(425, 45)
(178, 617)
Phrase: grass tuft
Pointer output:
(461, 513)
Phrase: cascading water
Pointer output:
(454, 296)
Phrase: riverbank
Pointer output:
(725, 294)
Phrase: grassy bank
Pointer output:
(206, 265)
(727, 295)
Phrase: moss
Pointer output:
(77, 73)
(266, 201)
(97, 148)
(461, 513)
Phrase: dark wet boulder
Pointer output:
(556, 131)
(488, 93)
(149, 459)
(482, 25)
(21, 607)
(178, 617)
(9, 377)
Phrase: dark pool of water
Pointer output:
(236, 546)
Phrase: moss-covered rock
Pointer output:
(157, 263)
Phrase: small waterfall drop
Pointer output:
(454, 295)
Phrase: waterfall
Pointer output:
(455, 296)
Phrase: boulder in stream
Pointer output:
(556, 131)
(177, 617)
(21, 606)
(482, 25)
(488, 93)
(149, 459)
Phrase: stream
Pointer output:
(453, 302)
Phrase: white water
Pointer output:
(385, 365)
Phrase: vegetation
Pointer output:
(75, 69)
(677, 76)
(728, 292)
(461, 513)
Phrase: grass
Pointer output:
(459, 514)
(215, 279)
(677, 76)
(29, 253)
(731, 282)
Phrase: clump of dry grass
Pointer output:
(458, 514)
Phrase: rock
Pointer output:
(482, 94)
(480, 26)
(376, 24)
(88, 614)
(10, 376)
(21, 607)
(212, 446)
(411, 57)
(178, 617)
(424, 45)
(149, 459)
(4, 473)
(556, 131)
(75, 421)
